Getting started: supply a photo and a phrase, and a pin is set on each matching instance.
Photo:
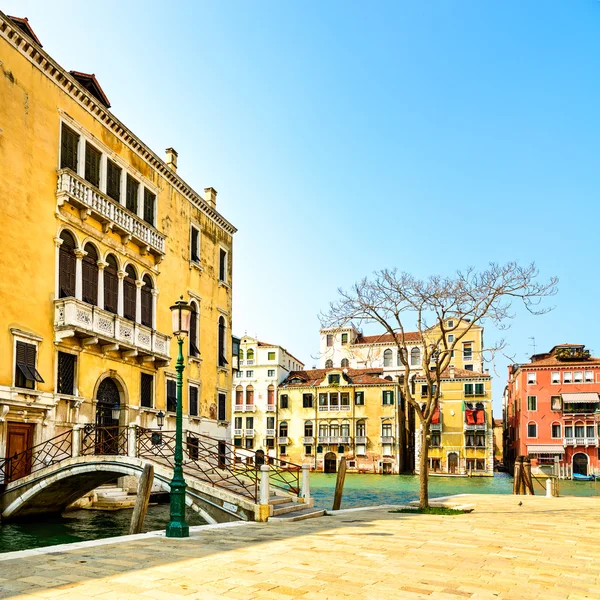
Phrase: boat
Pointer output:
(580, 477)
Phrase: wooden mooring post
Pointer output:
(339, 484)
(523, 483)
(143, 497)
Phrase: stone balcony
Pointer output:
(95, 326)
(334, 439)
(308, 439)
(360, 440)
(387, 439)
(114, 216)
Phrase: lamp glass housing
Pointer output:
(181, 313)
(160, 419)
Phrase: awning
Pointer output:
(546, 449)
(581, 397)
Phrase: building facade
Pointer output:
(262, 368)
(100, 237)
(552, 410)
(324, 414)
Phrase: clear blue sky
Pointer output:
(345, 137)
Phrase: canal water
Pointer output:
(359, 490)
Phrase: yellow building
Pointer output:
(461, 436)
(324, 414)
(99, 237)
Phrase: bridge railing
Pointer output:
(101, 440)
(37, 457)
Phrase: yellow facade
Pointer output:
(320, 420)
(40, 201)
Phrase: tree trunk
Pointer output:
(424, 468)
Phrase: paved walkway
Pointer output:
(547, 548)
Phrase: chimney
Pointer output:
(451, 369)
(172, 159)
(210, 195)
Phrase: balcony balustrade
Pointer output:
(360, 440)
(308, 439)
(271, 408)
(387, 439)
(334, 407)
(283, 440)
(435, 427)
(249, 433)
(270, 432)
(249, 363)
(238, 432)
(334, 439)
(75, 318)
(475, 427)
(238, 408)
(80, 193)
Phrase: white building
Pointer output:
(262, 367)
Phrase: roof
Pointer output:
(23, 24)
(458, 374)
(546, 449)
(315, 377)
(267, 345)
(90, 83)
(387, 338)
(498, 423)
(581, 397)
(552, 361)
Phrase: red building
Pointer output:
(552, 410)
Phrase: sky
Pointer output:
(345, 137)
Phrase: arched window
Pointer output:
(329, 364)
(579, 429)
(361, 429)
(147, 302)
(250, 395)
(283, 429)
(222, 361)
(387, 358)
(89, 274)
(129, 293)
(241, 355)
(239, 396)
(556, 430)
(250, 354)
(401, 353)
(111, 285)
(334, 430)
(345, 429)
(345, 362)
(415, 357)
(194, 342)
(66, 266)
(271, 395)
(532, 429)
(308, 428)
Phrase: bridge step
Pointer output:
(275, 500)
(300, 515)
(282, 509)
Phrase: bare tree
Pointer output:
(394, 299)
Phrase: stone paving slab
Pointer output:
(547, 548)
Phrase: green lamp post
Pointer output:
(181, 312)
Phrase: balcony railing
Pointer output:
(435, 427)
(334, 407)
(334, 439)
(238, 408)
(249, 363)
(238, 432)
(249, 433)
(75, 318)
(249, 407)
(581, 441)
(387, 439)
(475, 427)
(284, 440)
(271, 408)
(82, 194)
(270, 432)
(360, 440)
(308, 439)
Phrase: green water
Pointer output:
(359, 490)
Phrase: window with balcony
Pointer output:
(69, 143)
(361, 429)
(569, 431)
(467, 352)
(194, 244)
(222, 361)
(579, 430)
(221, 406)
(284, 401)
(147, 390)
(334, 401)
(193, 400)
(359, 398)
(222, 265)
(111, 285)
(589, 431)
(149, 207)
(250, 396)
(386, 430)
(531, 430)
(239, 397)
(435, 439)
(250, 356)
(555, 377)
(66, 266)
(387, 397)
(89, 272)
(65, 373)
(194, 329)
(146, 301)
(531, 402)
(171, 395)
(113, 180)
(129, 293)
(415, 357)
(556, 430)
(249, 422)
(555, 403)
(238, 423)
(92, 164)
(387, 358)
(345, 400)
(26, 373)
(131, 194)
(271, 394)
(307, 400)
(283, 429)
(308, 429)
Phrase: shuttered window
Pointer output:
(171, 395)
(131, 197)
(221, 357)
(26, 373)
(111, 285)
(92, 164)
(222, 265)
(149, 203)
(147, 302)
(89, 274)
(69, 142)
(65, 377)
(221, 414)
(146, 390)
(129, 294)
(113, 180)
(195, 245)
(193, 397)
(194, 350)
(66, 266)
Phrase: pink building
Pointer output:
(552, 409)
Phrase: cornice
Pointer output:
(47, 65)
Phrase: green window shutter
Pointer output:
(131, 198)
(149, 203)
(69, 142)
(92, 164)
(113, 180)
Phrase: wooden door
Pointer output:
(453, 463)
(19, 441)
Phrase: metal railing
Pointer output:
(54, 450)
(104, 440)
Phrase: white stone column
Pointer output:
(79, 254)
(139, 284)
(121, 276)
(154, 305)
(76, 440)
(81, 156)
(101, 266)
(264, 484)
(305, 485)
(58, 243)
(131, 440)
(103, 172)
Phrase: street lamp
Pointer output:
(181, 312)
(160, 419)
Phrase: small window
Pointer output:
(194, 349)
(556, 403)
(222, 407)
(149, 206)
(568, 431)
(531, 378)
(578, 377)
(345, 363)
(556, 433)
(271, 373)
(388, 397)
(344, 339)
(69, 142)
(65, 378)
(468, 389)
(250, 373)
(589, 376)
(26, 373)
(307, 401)
(450, 338)
(531, 402)
(222, 265)
(92, 164)
(359, 398)
(283, 401)
(329, 339)
(194, 244)
(193, 400)
(450, 324)
(333, 379)
(589, 431)
(283, 450)
(329, 364)
(131, 194)
(113, 180)
(567, 377)
(171, 395)
(249, 443)
(479, 389)
(468, 367)
(555, 377)
(387, 358)
(308, 450)
(415, 357)
(146, 390)
(271, 356)
(531, 430)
